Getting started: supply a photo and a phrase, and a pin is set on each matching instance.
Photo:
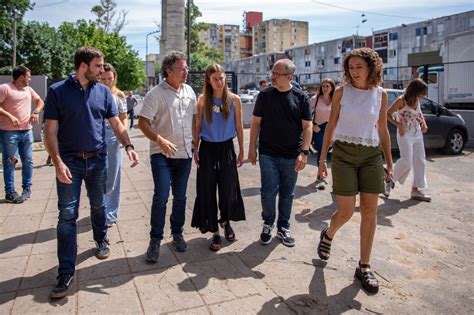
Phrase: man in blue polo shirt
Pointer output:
(75, 112)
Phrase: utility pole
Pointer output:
(189, 33)
(14, 38)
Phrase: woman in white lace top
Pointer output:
(410, 125)
(358, 125)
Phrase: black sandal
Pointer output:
(367, 278)
(228, 232)
(323, 246)
(215, 243)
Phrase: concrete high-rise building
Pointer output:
(250, 19)
(172, 26)
(224, 38)
(277, 35)
(209, 36)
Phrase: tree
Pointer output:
(201, 55)
(106, 13)
(126, 61)
(10, 11)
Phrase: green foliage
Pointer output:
(201, 55)
(126, 61)
(8, 10)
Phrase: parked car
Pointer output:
(446, 130)
(246, 98)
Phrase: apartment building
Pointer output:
(224, 38)
(277, 35)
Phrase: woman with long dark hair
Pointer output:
(219, 121)
(321, 104)
(411, 126)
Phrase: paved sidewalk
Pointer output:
(423, 252)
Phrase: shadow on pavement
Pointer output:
(39, 285)
(317, 301)
(41, 236)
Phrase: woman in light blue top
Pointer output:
(114, 154)
(219, 121)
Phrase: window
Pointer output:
(394, 36)
(307, 63)
(337, 60)
(392, 53)
(383, 54)
(441, 27)
(320, 62)
(418, 31)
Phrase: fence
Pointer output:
(451, 84)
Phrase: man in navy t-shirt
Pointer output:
(282, 122)
(75, 113)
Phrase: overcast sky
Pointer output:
(327, 19)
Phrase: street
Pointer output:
(423, 252)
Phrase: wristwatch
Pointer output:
(36, 112)
(129, 146)
(305, 152)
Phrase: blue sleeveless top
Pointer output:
(220, 129)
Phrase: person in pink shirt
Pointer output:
(16, 136)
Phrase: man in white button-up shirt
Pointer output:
(167, 120)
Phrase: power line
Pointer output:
(50, 4)
(369, 12)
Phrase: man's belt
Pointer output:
(87, 155)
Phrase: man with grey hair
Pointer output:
(167, 120)
(282, 122)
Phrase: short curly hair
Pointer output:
(374, 62)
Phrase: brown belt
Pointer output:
(87, 155)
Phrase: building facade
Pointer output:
(277, 35)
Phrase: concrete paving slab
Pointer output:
(16, 244)
(30, 207)
(133, 212)
(37, 301)
(422, 253)
(12, 272)
(21, 223)
(114, 295)
(40, 271)
(167, 290)
(6, 302)
(135, 252)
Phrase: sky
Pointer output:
(329, 19)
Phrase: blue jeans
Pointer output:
(94, 172)
(174, 174)
(318, 141)
(14, 142)
(112, 185)
(278, 176)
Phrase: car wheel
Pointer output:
(454, 142)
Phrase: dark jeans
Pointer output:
(131, 113)
(318, 142)
(13, 143)
(94, 173)
(174, 174)
(278, 176)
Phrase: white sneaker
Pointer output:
(419, 195)
(321, 184)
